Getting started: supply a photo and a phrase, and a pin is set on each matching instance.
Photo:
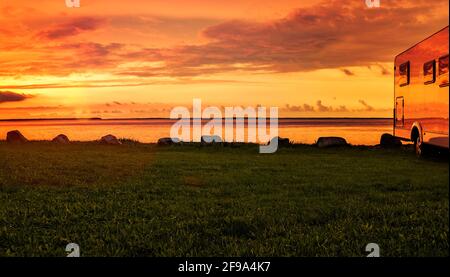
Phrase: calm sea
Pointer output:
(356, 131)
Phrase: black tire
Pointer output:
(419, 147)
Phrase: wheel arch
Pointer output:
(416, 131)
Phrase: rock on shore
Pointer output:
(110, 140)
(167, 141)
(61, 139)
(15, 137)
(324, 142)
(281, 141)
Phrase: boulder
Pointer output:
(281, 141)
(110, 139)
(61, 139)
(389, 141)
(168, 141)
(15, 137)
(211, 139)
(324, 142)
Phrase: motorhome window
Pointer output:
(443, 65)
(443, 72)
(404, 74)
(429, 72)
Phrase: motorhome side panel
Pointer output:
(422, 92)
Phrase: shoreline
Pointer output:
(126, 142)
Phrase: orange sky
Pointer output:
(138, 58)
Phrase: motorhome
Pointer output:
(421, 94)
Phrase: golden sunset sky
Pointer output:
(139, 58)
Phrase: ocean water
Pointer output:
(355, 131)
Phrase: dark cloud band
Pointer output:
(9, 96)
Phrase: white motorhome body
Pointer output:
(421, 97)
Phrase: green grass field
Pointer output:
(144, 200)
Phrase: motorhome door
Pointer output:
(399, 112)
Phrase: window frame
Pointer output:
(433, 80)
(407, 75)
(440, 75)
(439, 61)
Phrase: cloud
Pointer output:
(320, 107)
(347, 72)
(329, 34)
(62, 59)
(299, 108)
(342, 108)
(308, 108)
(366, 106)
(382, 69)
(71, 27)
(293, 108)
(110, 83)
(91, 49)
(9, 96)
(323, 108)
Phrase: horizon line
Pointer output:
(165, 118)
